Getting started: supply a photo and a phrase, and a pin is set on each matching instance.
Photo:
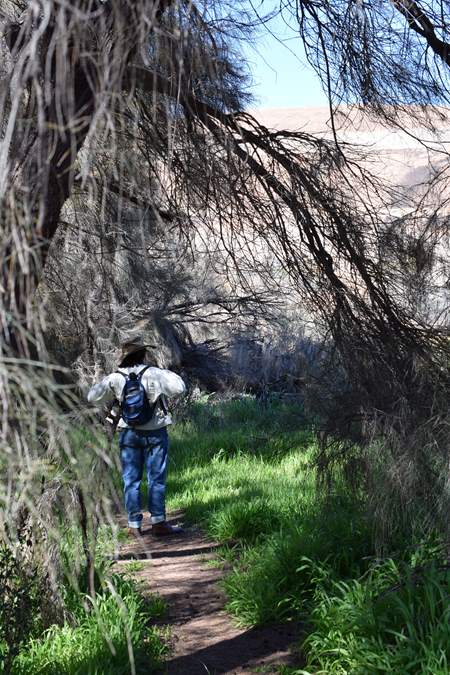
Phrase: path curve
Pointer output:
(204, 639)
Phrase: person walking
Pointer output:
(141, 390)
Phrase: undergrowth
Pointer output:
(108, 635)
(291, 553)
(244, 472)
(69, 632)
(395, 619)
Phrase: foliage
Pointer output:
(116, 114)
(110, 635)
(22, 595)
(103, 622)
(141, 149)
(296, 552)
(385, 55)
(395, 619)
(249, 480)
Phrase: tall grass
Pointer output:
(110, 635)
(106, 632)
(244, 472)
(393, 620)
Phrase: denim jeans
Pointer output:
(139, 449)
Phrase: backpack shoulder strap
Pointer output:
(119, 372)
(140, 374)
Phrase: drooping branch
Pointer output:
(419, 22)
(72, 86)
(253, 145)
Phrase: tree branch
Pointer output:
(421, 24)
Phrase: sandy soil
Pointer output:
(204, 639)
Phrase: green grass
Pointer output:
(244, 473)
(393, 620)
(289, 552)
(113, 634)
(132, 567)
(104, 637)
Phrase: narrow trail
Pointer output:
(204, 639)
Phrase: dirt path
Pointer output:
(204, 639)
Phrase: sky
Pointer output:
(282, 78)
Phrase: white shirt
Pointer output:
(156, 381)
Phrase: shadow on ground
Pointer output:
(204, 639)
(254, 650)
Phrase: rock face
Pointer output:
(406, 155)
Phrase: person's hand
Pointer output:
(111, 420)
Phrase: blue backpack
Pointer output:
(135, 408)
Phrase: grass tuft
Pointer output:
(393, 620)
(111, 637)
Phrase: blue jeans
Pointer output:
(139, 449)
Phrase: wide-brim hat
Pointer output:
(137, 344)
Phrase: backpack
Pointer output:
(135, 407)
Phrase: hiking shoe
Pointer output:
(163, 529)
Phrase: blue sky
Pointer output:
(282, 77)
